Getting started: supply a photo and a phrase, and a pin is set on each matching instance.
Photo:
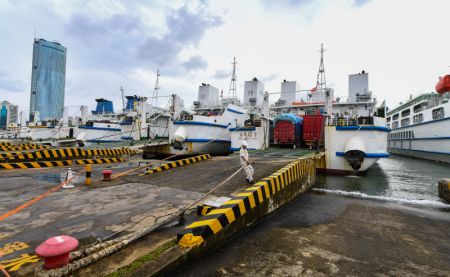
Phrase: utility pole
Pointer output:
(123, 99)
(156, 89)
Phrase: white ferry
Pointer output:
(353, 132)
(421, 126)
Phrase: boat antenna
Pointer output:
(321, 81)
(123, 99)
(156, 89)
(232, 91)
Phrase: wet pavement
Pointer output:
(130, 202)
(325, 234)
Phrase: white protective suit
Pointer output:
(243, 154)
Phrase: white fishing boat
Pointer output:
(217, 126)
(421, 125)
(138, 120)
(206, 129)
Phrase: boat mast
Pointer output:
(156, 89)
(232, 91)
(321, 81)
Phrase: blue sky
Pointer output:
(402, 44)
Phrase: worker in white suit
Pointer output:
(245, 162)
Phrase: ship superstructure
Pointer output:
(420, 126)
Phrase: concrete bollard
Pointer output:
(56, 251)
(444, 189)
(88, 181)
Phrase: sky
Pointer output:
(402, 44)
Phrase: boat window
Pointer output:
(388, 119)
(389, 125)
(418, 108)
(405, 122)
(406, 112)
(418, 118)
(395, 116)
(438, 113)
(395, 124)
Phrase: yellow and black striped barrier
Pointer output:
(204, 209)
(8, 146)
(25, 144)
(65, 154)
(88, 170)
(10, 154)
(217, 219)
(44, 164)
(177, 163)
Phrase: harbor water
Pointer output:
(397, 178)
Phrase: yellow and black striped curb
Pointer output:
(217, 219)
(65, 153)
(44, 164)
(177, 163)
(204, 209)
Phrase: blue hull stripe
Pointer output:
(423, 123)
(100, 128)
(243, 129)
(234, 111)
(201, 123)
(363, 128)
(127, 138)
(237, 149)
(207, 140)
(424, 151)
(103, 141)
(430, 138)
(367, 155)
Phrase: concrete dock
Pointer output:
(315, 234)
(325, 234)
(89, 213)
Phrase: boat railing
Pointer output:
(351, 121)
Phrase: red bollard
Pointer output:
(107, 175)
(56, 250)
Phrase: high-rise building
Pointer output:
(8, 114)
(48, 79)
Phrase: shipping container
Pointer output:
(288, 130)
(313, 128)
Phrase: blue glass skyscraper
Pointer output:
(48, 79)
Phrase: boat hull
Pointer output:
(336, 142)
(429, 140)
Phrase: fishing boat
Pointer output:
(218, 125)
(420, 126)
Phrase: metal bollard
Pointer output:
(88, 175)
(444, 189)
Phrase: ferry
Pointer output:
(421, 126)
(354, 133)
